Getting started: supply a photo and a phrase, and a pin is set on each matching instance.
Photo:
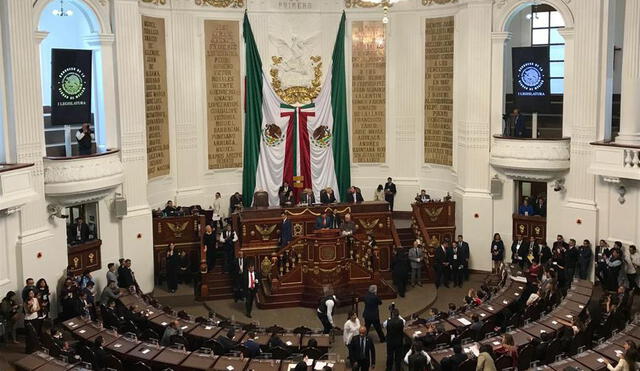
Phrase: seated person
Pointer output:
(169, 331)
(261, 199)
(508, 347)
(285, 195)
(452, 309)
(311, 351)
(324, 221)
(327, 196)
(99, 352)
(253, 348)
(423, 196)
(169, 209)
(453, 362)
(525, 208)
(534, 297)
(434, 314)
(235, 203)
(275, 341)
(227, 342)
(472, 298)
(354, 195)
(348, 227)
(307, 197)
(477, 323)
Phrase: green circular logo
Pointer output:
(71, 83)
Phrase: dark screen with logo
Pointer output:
(70, 86)
(531, 78)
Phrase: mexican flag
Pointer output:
(283, 142)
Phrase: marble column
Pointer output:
(630, 88)
(498, 43)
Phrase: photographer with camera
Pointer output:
(85, 136)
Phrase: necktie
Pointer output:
(362, 348)
(251, 280)
(240, 264)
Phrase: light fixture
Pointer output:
(61, 12)
(386, 4)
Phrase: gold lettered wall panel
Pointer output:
(224, 116)
(368, 89)
(438, 103)
(156, 100)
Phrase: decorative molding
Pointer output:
(367, 4)
(221, 3)
(297, 94)
(439, 2)
(529, 158)
(156, 2)
(498, 3)
(81, 180)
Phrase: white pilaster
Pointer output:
(498, 41)
(136, 239)
(630, 89)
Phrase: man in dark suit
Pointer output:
(515, 248)
(531, 248)
(455, 264)
(441, 265)
(465, 254)
(251, 345)
(354, 195)
(400, 271)
(227, 341)
(362, 353)
(395, 338)
(251, 283)
(125, 275)
(327, 196)
(514, 126)
(324, 221)
(390, 192)
(80, 231)
(238, 269)
(371, 313)
(454, 360)
(286, 230)
(99, 352)
(307, 197)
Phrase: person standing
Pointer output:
(497, 252)
(325, 310)
(351, 328)
(218, 214)
(455, 264)
(465, 254)
(390, 192)
(441, 265)
(238, 269)
(400, 266)
(210, 247)
(10, 311)
(324, 221)
(228, 238)
(31, 309)
(362, 353)
(584, 259)
(571, 257)
(371, 313)
(395, 338)
(378, 195)
(125, 275)
(172, 268)
(286, 230)
(29, 285)
(251, 283)
(515, 248)
(85, 136)
(416, 254)
(112, 275)
(545, 253)
(634, 261)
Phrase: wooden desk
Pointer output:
(289, 365)
(127, 300)
(551, 322)
(563, 314)
(199, 361)
(633, 330)
(32, 361)
(291, 340)
(536, 329)
(163, 320)
(239, 335)
(582, 290)
(578, 298)
(264, 365)
(610, 350)
(572, 306)
(123, 345)
(186, 326)
(204, 332)
(569, 362)
(170, 357)
(88, 331)
(145, 352)
(55, 365)
(491, 307)
(230, 364)
(74, 323)
(108, 337)
(459, 321)
(591, 360)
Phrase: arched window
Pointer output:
(538, 25)
(68, 23)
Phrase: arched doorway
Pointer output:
(69, 24)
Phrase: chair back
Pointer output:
(280, 352)
(141, 366)
(113, 362)
(504, 361)
(468, 365)
(525, 356)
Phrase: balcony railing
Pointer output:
(614, 161)
(16, 187)
(533, 159)
(81, 179)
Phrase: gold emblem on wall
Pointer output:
(369, 225)
(265, 231)
(298, 229)
(221, 3)
(433, 214)
(431, 2)
(177, 229)
(91, 257)
(76, 262)
(297, 94)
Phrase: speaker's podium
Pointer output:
(297, 274)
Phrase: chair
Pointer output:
(280, 353)
(554, 348)
(302, 330)
(504, 361)
(468, 365)
(167, 309)
(148, 334)
(141, 366)
(312, 352)
(466, 335)
(244, 350)
(275, 328)
(86, 354)
(179, 339)
(486, 328)
(113, 362)
(261, 199)
(183, 315)
(215, 346)
(525, 356)
(200, 319)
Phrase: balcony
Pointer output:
(16, 187)
(77, 180)
(530, 159)
(615, 161)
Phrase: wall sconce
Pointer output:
(558, 185)
(621, 192)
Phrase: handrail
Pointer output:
(8, 167)
(500, 136)
(105, 152)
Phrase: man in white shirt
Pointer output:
(85, 136)
(325, 310)
(251, 283)
(351, 328)
(227, 238)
